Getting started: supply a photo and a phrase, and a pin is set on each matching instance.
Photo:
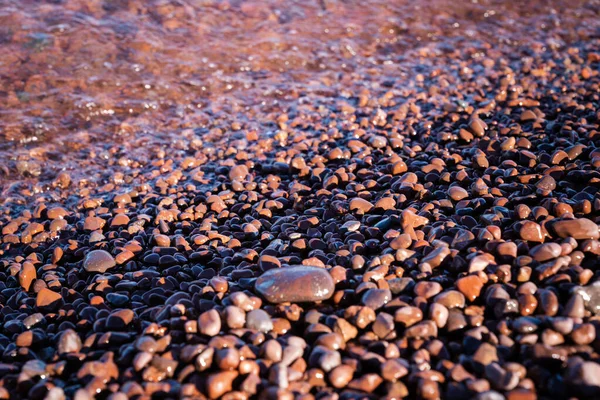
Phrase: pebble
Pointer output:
(27, 275)
(383, 326)
(585, 373)
(581, 228)
(220, 383)
(376, 298)
(531, 231)
(119, 320)
(99, 261)
(48, 300)
(267, 262)
(583, 334)
(500, 378)
(238, 172)
(340, 376)
(378, 141)
(450, 299)
(546, 185)
(439, 314)
(324, 358)
(69, 342)
(545, 252)
(209, 323)
(575, 307)
(399, 285)
(470, 286)
(457, 193)
(437, 256)
(408, 315)
(259, 320)
(394, 369)
(485, 354)
(234, 317)
(304, 284)
(362, 205)
(427, 289)
(422, 330)
(591, 297)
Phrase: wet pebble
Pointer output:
(98, 261)
(295, 284)
(581, 228)
(259, 320)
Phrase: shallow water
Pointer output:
(75, 72)
(84, 84)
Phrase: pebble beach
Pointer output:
(328, 200)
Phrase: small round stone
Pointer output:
(531, 231)
(209, 323)
(69, 342)
(239, 173)
(48, 300)
(376, 298)
(457, 193)
(259, 320)
(470, 286)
